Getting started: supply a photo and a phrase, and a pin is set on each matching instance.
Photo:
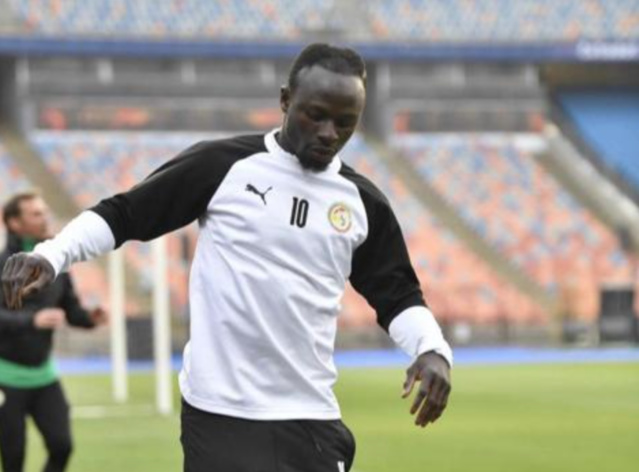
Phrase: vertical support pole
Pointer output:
(162, 328)
(118, 327)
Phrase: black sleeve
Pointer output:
(381, 269)
(75, 314)
(14, 320)
(175, 194)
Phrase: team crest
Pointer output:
(340, 217)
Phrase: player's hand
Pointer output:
(99, 316)
(432, 396)
(49, 318)
(24, 273)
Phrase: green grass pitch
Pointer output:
(537, 418)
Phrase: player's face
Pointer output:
(33, 221)
(320, 115)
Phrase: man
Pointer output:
(283, 225)
(28, 381)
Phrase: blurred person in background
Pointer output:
(29, 384)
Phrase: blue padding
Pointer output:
(609, 122)
(35, 45)
(396, 359)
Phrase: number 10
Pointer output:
(299, 213)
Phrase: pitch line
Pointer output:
(96, 412)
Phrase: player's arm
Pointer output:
(383, 274)
(171, 197)
(76, 315)
(14, 321)
(19, 321)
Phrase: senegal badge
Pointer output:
(340, 217)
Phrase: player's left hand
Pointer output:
(99, 316)
(432, 395)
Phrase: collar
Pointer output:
(274, 148)
(14, 243)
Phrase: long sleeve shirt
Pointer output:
(277, 244)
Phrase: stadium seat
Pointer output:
(284, 19)
(511, 202)
(396, 20)
(11, 179)
(503, 20)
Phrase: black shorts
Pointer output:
(217, 443)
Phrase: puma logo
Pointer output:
(251, 188)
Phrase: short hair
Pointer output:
(11, 208)
(336, 59)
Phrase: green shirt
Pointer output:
(28, 244)
(20, 376)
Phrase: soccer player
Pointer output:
(283, 225)
(29, 385)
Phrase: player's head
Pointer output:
(27, 215)
(322, 103)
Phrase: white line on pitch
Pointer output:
(112, 411)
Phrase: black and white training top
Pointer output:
(276, 245)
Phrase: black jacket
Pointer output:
(20, 341)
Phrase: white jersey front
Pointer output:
(266, 283)
(277, 245)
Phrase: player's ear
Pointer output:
(13, 224)
(285, 98)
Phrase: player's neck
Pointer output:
(283, 142)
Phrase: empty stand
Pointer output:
(394, 20)
(11, 179)
(172, 18)
(504, 20)
(500, 190)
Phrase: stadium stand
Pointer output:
(88, 277)
(11, 179)
(395, 20)
(514, 204)
(457, 285)
(504, 20)
(283, 19)
(609, 122)
(94, 165)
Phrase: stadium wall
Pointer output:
(578, 51)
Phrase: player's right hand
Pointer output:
(49, 318)
(433, 373)
(24, 273)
